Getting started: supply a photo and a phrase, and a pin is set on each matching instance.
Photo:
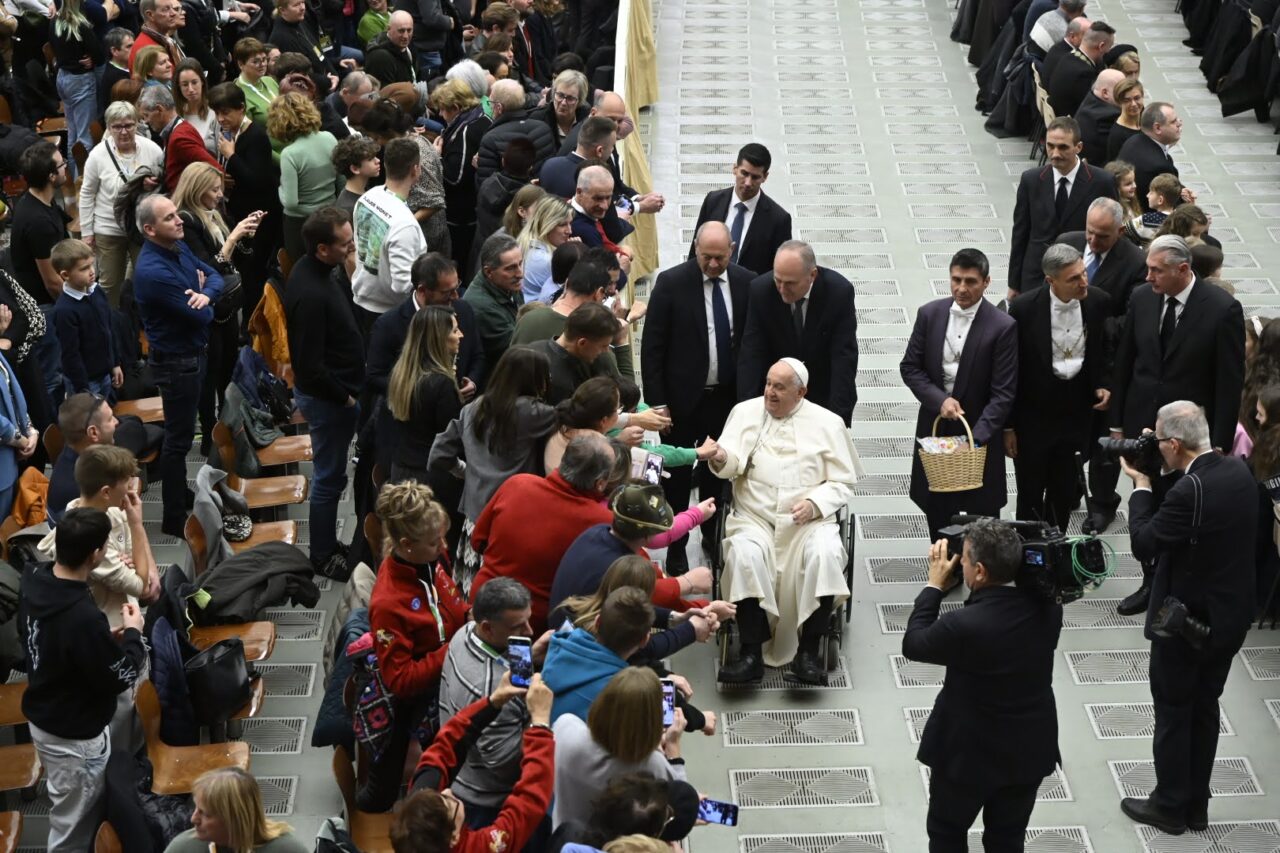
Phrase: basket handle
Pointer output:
(965, 423)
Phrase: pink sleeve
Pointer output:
(684, 522)
(1243, 445)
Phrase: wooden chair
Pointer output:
(373, 535)
(254, 705)
(370, 832)
(263, 531)
(285, 262)
(176, 768)
(259, 638)
(11, 831)
(11, 703)
(150, 410)
(95, 131)
(53, 442)
(286, 450)
(260, 492)
(80, 155)
(106, 841)
(19, 767)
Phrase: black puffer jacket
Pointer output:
(241, 587)
(507, 127)
(389, 63)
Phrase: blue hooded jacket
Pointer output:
(576, 670)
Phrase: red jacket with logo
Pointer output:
(406, 635)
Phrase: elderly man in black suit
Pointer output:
(1116, 266)
(1182, 339)
(962, 360)
(1074, 76)
(1076, 29)
(993, 734)
(1097, 114)
(807, 312)
(689, 357)
(1052, 199)
(1062, 365)
(1148, 151)
(1200, 539)
(757, 224)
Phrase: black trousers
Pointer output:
(1185, 686)
(753, 625)
(1104, 470)
(954, 806)
(688, 430)
(1047, 476)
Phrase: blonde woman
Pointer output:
(153, 67)
(229, 818)
(465, 123)
(422, 392)
(191, 100)
(308, 180)
(548, 227)
(79, 54)
(1131, 99)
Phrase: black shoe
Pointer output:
(1097, 521)
(174, 528)
(805, 669)
(1198, 817)
(334, 567)
(1141, 810)
(677, 563)
(747, 669)
(1136, 602)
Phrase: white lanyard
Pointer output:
(433, 604)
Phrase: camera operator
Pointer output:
(1201, 542)
(993, 733)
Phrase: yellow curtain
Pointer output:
(640, 88)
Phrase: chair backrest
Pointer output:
(106, 841)
(95, 131)
(53, 442)
(193, 532)
(226, 446)
(147, 702)
(286, 263)
(344, 773)
(373, 535)
(80, 155)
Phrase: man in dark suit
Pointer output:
(611, 105)
(1076, 29)
(1062, 382)
(534, 45)
(1148, 151)
(993, 734)
(1115, 266)
(595, 222)
(807, 312)
(757, 224)
(1182, 339)
(1200, 539)
(559, 175)
(1051, 200)
(1097, 114)
(1073, 78)
(689, 354)
(962, 360)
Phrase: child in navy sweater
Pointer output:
(82, 318)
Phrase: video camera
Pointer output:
(1055, 567)
(1142, 452)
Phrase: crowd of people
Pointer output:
(359, 182)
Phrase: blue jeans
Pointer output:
(432, 64)
(179, 379)
(100, 386)
(48, 354)
(79, 93)
(332, 428)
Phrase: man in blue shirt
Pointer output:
(174, 290)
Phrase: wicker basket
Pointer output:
(960, 471)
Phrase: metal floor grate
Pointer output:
(909, 673)
(1119, 527)
(854, 842)
(886, 412)
(886, 570)
(1117, 720)
(1233, 836)
(916, 719)
(1263, 662)
(884, 448)
(880, 378)
(897, 526)
(1113, 666)
(40, 806)
(1048, 839)
(278, 794)
(1273, 707)
(893, 617)
(1053, 788)
(804, 788)
(792, 728)
(293, 624)
(288, 680)
(274, 735)
(880, 316)
(1097, 613)
(1231, 777)
(775, 679)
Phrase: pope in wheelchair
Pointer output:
(793, 465)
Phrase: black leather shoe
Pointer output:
(1198, 817)
(806, 669)
(1141, 810)
(677, 563)
(747, 669)
(1136, 602)
(1097, 522)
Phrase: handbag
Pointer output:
(218, 681)
(228, 304)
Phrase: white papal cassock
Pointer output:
(774, 463)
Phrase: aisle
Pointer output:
(866, 106)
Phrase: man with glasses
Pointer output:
(1183, 339)
(611, 105)
(84, 420)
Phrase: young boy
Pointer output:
(355, 157)
(76, 667)
(82, 318)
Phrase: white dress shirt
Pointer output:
(959, 321)
(1070, 176)
(751, 204)
(1180, 299)
(713, 363)
(1066, 336)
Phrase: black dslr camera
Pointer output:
(1142, 452)
(1054, 567)
(1174, 620)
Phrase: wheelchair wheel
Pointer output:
(834, 636)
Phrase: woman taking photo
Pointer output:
(153, 67)
(387, 120)
(548, 228)
(465, 123)
(496, 436)
(198, 197)
(416, 605)
(228, 816)
(308, 180)
(79, 55)
(1130, 98)
(192, 101)
(259, 88)
(110, 166)
(422, 392)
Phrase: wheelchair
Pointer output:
(829, 650)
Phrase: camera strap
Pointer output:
(1197, 507)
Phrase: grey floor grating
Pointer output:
(895, 526)
(792, 728)
(1235, 836)
(854, 842)
(288, 680)
(294, 625)
(1273, 707)
(1262, 662)
(1114, 666)
(904, 570)
(916, 719)
(1232, 777)
(1119, 720)
(893, 617)
(278, 794)
(908, 673)
(1049, 839)
(274, 735)
(804, 787)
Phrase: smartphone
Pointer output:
(653, 469)
(714, 811)
(668, 702)
(520, 659)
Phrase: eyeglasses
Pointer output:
(123, 128)
(1160, 440)
(258, 60)
(566, 98)
(98, 400)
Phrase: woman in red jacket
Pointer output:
(414, 610)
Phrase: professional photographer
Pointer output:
(993, 733)
(1202, 601)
